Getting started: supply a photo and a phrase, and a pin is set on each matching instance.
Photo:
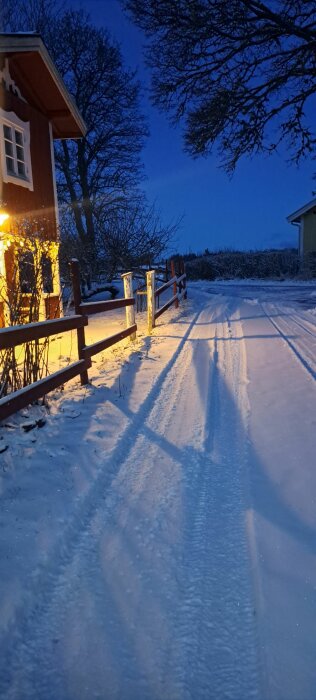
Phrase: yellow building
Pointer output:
(305, 219)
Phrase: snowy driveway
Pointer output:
(159, 537)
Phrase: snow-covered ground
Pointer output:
(158, 532)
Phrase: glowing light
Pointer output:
(5, 243)
(3, 217)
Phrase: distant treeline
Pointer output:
(228, 264)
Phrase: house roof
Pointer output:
(295, 218)
(41, 82)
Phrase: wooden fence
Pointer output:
(85, 352)
(179, 290)
(18, 335)
(15, 336)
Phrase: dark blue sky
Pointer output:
(247, 211)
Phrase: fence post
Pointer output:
(175, 288)
(166, 271)
(75, 279)
(180, 271)
(184, 281)
(127, 278)
(150, 277)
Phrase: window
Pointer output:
(26, 272)
(47, 274)
(15, 150)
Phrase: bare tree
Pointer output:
(135, 237)
(33, 15)
(127, 238)
(240, 73)
(105, 219)
(103, 170)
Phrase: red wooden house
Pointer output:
(35, 109)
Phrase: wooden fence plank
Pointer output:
(17, 335)
(96, 307)
(180, 279)
(19, 399)
(130, 308)
(174, 275)
(13, 336)
(81, 342)
(166, 306)
(165, 286)
(91, 350)
(151, 299)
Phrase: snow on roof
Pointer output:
(296, 216)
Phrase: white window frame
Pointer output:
(11, 120)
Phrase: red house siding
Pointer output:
(30, 209)
(36, 206)
(33, 91)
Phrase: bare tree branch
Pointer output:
(240, 74)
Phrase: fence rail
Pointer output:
(85, 352)
(165, 286)
(90, 350)
(166, 306)
(178, 284)
(18, 335)
(97, 307)
(22, 398)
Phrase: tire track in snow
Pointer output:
(193, 613)
(46, 578)
(206, 660)
(229, 454)
(292, 346)
(218, 598)
(201, 577)
(293, 318)
(289, 318)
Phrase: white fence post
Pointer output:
(150, 276)
(128, 293)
